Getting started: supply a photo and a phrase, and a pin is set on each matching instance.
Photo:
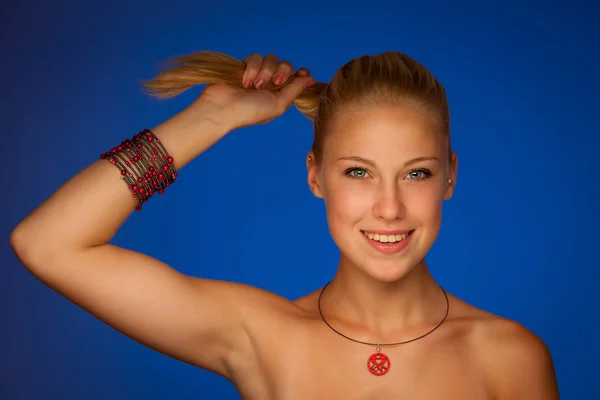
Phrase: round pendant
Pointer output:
(379, 364)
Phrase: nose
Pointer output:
(389, 205)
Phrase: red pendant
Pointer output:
(379, 364)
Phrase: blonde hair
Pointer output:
(366, 81)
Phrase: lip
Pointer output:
(389, 248)
(388, 232)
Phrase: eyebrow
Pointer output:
(406, 164)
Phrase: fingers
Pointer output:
(253, 64)
(282, 73)
(267, 70)
(288, 94)
(303, 71)
(261, 71)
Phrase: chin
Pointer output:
(389, 265)
(388, 271)
(384, 264)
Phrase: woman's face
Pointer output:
(383, 175)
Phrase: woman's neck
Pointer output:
(383, 309)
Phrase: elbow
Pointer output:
(18, 241)
(25, 248)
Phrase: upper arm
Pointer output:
(199, 321)
(519, 363)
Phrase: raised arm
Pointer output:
(65, 241)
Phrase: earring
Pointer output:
(309, 158)
(449, 181)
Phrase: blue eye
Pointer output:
(416, 175)
(356, 172)
(419, 174)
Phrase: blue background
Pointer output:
(520, 237)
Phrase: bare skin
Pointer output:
(270, 347)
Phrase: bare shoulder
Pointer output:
(513, 362)
(516, 362)
(308, 302)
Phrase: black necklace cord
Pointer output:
(385, 344)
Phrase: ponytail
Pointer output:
(206, 67)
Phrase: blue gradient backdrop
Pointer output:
(520, 237)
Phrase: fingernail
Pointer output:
(259, 83)
(304, 71)
(277, 79)
(247, 83)
(310, 83)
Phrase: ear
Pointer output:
(314, 179)
(453, 168)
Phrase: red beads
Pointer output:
(152, 170)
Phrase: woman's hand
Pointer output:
(269, 89)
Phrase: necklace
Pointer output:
(379, 363)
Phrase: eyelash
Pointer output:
(426, 173)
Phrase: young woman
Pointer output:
(382, 163)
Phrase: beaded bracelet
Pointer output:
(145, 165)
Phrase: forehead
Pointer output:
(385, 132)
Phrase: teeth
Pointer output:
(385, 238)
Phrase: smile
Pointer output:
(388, 244)
(386, 238)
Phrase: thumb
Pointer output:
(287, 94)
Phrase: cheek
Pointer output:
(347, 204)
(351, 203)
(425, 204)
